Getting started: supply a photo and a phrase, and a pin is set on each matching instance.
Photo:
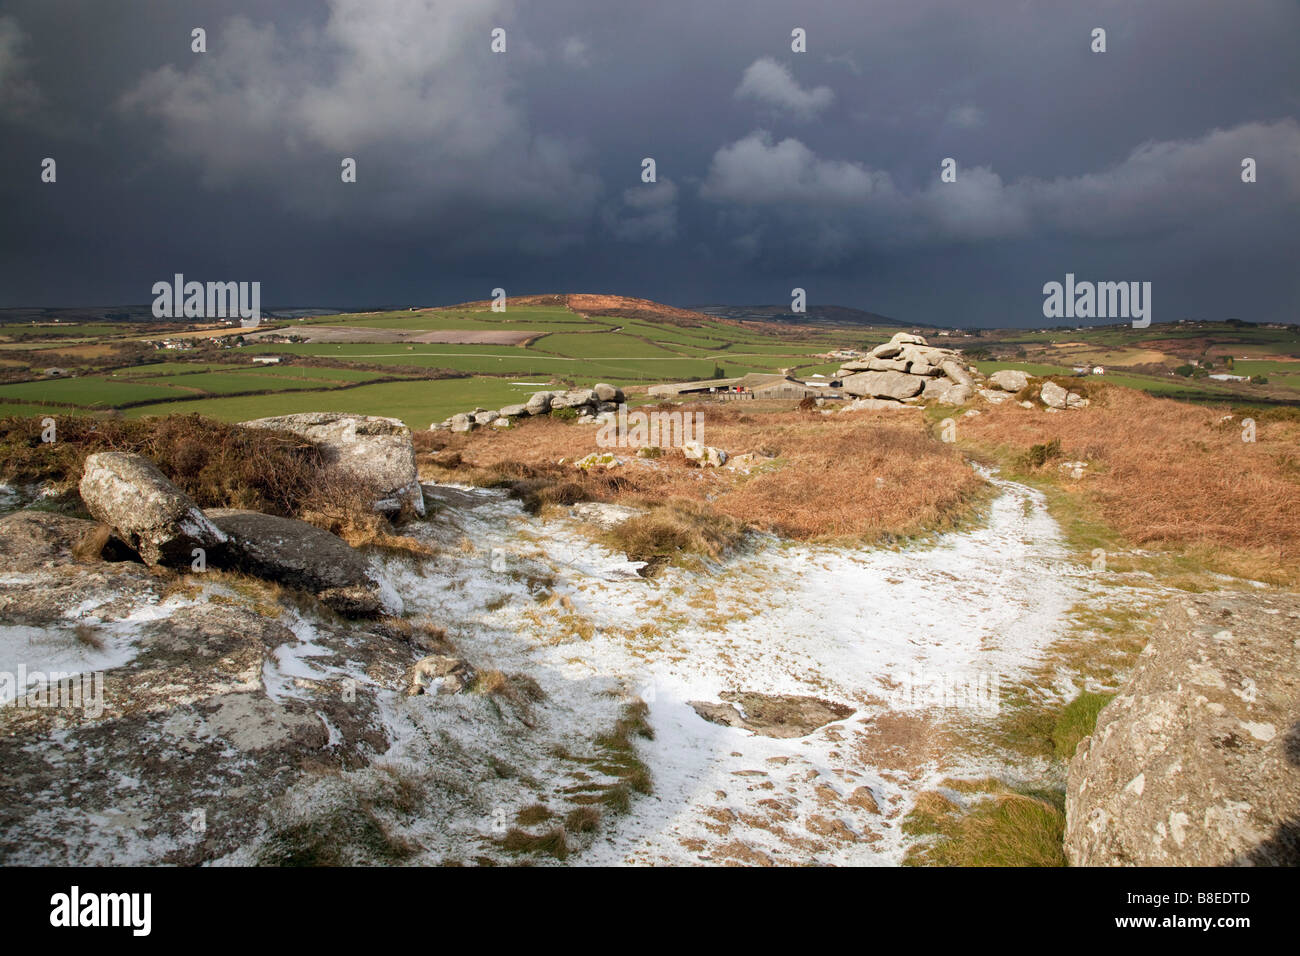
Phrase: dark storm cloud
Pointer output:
(775, 169)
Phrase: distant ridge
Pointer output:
(816, 315)
(599, 304)
(629, 307)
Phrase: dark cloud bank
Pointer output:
(775, 169)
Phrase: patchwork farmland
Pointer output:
(421, 365)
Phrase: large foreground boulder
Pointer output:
(154, 517)
(1197, 761)
(896, 385)
(377, 451)
(301, 556)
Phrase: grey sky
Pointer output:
(776, 169)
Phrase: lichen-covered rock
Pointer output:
(874, 404)
(190, 742)
(540, 402)
(1053, 395)
(957, 372)
(704, 455)
(1009, 379)
(377, 451)
(897, 385)
(44, 583)
(1197, 761)
(154, 517)
(574, 398)
(608, 393)
(300, 555)
(598, 459)
(37, 539)
(957, 394)
(906, 338)
(438, 673)
(772, 715)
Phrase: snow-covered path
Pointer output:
(881, 631)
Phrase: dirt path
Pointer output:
(878, 632)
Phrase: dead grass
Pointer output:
(582, 820)
(533, 814)
(617, 758)
(553, 842)
(1165, 474)
(91, 546)
(1005, 828)
(678, 528)
(218, 465)
(519, 689)
(88, 635)
(342, 506)
(863, 476)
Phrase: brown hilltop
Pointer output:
(612, 306)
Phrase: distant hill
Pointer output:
(598, 304)
(838, 315)
(627, 307)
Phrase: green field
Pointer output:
(217, 376)
(95, 391)
(570, 350)
(416, 403)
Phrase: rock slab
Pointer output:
(154, 517)
(1196, 762)
(377, 451)
(299, 555)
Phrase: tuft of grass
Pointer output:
(1077, 720)
(617, 757)
(533, 814)
(343, 836)
(399, 788)
(519, 689)
(675, 530)
(553, 842)
(88, 635)
(1003, 829)
(582, 820)
(91, 546)
(1038, 455)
